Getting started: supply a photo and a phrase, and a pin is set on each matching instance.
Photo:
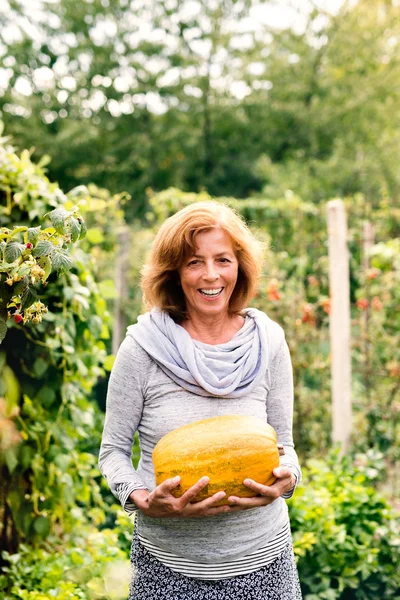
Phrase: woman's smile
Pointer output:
(211, 294)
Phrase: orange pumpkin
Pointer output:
(228, 449)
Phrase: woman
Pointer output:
(201, 353)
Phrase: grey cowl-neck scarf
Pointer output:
(227, 370)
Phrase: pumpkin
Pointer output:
(228, 449)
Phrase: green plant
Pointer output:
(48, 365)
(346, 536)
(87, 564)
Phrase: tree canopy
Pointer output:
(206, 95)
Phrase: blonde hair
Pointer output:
(176, 241)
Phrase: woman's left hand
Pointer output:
(285, 480)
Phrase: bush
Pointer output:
(89, 564)
(50, 357)
(346, 536)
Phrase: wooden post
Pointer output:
(121, 285)
(339, 323)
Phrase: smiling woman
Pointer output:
(201, 353)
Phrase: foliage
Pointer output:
(346, 536)
(87, 564)
(50, 367)
(197, 96)
(346, 543)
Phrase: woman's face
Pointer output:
(208, 278)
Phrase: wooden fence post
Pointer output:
(121, 285)
(339, 323)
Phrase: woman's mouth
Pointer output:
(211, 293)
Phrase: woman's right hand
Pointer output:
(161, 503)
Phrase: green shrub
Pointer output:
(86, 565)
(346, 536)
(50, 360)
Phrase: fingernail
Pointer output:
(176, 479)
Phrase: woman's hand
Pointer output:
(285, 481)
(161, 503)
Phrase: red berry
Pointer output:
(18, 318)
(29, 245)
(362, 303)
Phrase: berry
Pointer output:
(362, 303)
(18, 318)
(29, 245)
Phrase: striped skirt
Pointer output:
(151, 580)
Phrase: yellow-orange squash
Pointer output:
(228, 449)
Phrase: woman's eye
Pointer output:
(224, 260)
(193, 263)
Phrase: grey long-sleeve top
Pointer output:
(141, 397)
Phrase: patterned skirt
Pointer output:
(151, 580)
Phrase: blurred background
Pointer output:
(117, 113)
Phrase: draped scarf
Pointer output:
(228, 370)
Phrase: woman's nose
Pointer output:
(211, 273)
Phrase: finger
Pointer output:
(263, 490)
(218, 510)
(281, 472)
(209, 502)
(207, 507)
(243, 503)
(192, 492)
(166, 486)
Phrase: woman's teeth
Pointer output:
(211, 293)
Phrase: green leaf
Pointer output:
(33, 234)
(24, 270)
(5, 267)
(13, 251)
(10, 459)
(40, 367)
(12, 389)
(20, 286)
(109, 362)
(28, 297)
(18, 230)
(79, 190)
(58, 217)
(107, 289)
(42, 526)
(61, 260)
(46, 396)
(44, 161)
(83, 230)
(95, 235)
(3, 330)
(95, 326)
(43, 248)
(75, 229)
(46, 264)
